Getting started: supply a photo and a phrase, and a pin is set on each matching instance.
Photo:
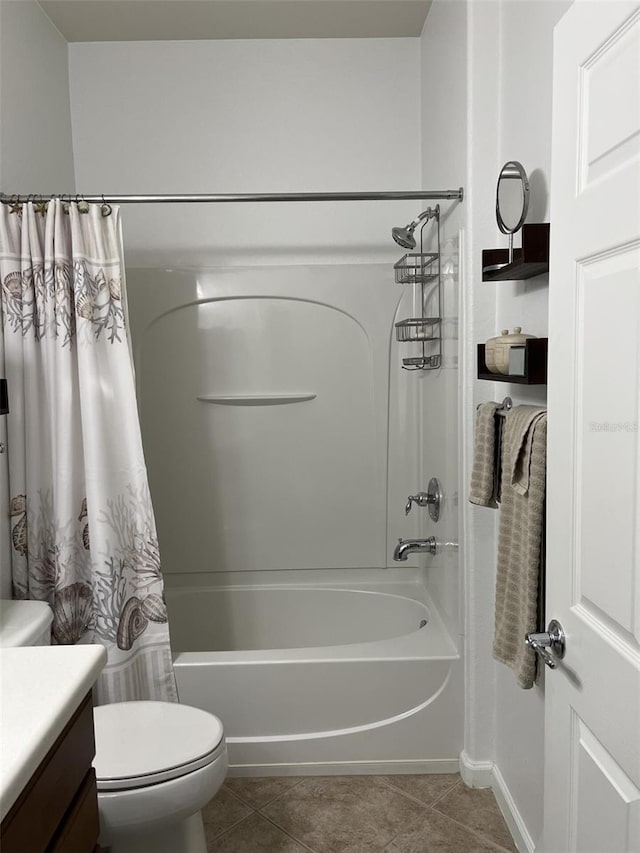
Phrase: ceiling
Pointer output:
(157, 20)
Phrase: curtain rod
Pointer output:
(227, 197)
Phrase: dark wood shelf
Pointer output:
(535, 365)
(532, 259)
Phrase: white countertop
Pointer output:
(40, 689)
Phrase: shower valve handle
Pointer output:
(421, 499)
(432, 498)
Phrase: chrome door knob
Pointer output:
(545, 642)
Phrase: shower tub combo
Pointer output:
(321, 678)
(279, 476)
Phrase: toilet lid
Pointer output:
(143, 743)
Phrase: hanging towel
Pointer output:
(483, 490)
(524, 457)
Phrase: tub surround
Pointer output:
(41, 689)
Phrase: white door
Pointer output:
(592, 726)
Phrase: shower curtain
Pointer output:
(83, 534)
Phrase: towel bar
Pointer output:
(505, 407)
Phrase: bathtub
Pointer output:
(319, 678)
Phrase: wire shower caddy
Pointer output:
(422, 268)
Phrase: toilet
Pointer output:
(157, 764)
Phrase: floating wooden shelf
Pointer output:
(535, 365)
(532, 259)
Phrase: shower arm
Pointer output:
(422, 218)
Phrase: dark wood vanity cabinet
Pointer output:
(58, 809)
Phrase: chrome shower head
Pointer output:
(404, 236)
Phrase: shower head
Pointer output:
(404, 236)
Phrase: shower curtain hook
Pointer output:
(105, 207)
(15, 205)
(83, 204)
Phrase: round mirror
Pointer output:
(512, 197)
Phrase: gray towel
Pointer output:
(524, 457)
(483, 490)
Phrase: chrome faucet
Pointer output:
(415, 546)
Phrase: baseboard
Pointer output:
(347, 768)
(511, 814)
(475, 774)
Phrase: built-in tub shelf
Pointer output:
(256, 399)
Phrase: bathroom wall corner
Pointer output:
(36, 154)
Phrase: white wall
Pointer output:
(250, 116)
(486, 80)
(460, 116)
(36, 154)
(479, 525)
(526, 91)
(500, 100)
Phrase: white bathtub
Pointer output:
(321, 679)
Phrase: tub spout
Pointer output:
(414, 546)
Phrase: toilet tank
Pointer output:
(25, 623)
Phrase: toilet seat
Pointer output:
(143, 743)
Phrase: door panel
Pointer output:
(610, 138)
(608, 298)
(592, 743)
(605, 812)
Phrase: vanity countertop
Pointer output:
(40, 689)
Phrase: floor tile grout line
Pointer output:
(268, 803)
(282, 793)
(439, 799)
(415, 799)
(446, 793)
(240, 800)
(410, 797)
(404, 829)
(229, 828)
(481, 835)
(285, 832)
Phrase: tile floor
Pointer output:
(354, 814)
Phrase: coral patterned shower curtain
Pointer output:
(83, 534)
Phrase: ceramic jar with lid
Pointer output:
(490, 351)
(502, 346)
